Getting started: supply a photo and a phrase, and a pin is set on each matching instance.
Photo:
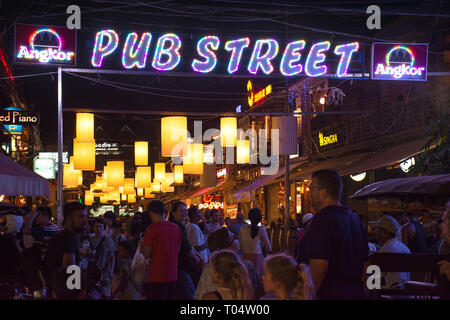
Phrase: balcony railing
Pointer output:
(399, 122)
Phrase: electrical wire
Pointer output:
(150, 93)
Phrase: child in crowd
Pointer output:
(231, 277)
(127, 289)
(286, 279)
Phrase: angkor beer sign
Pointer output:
(44, 45)
(165, 52)
(399, 61)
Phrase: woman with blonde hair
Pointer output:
(231, 278)
(287, 279)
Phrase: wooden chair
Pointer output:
(407, 262)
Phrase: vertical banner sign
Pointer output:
(42, 45)
(399, 61)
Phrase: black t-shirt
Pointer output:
(9, 258)
(185, 247)
(337, 235)
(61, 243)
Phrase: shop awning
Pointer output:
(16, 180)
(437, 185)
(198, 192)
(357, 163)
(245, 191)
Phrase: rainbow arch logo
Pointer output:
(400, 64)
(45, 45)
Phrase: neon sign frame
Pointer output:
(261, 52)
(30, 53)
(382, 68)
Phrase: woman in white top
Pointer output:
(253, 239)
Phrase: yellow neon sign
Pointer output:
(323, 141)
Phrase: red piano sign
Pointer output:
(44, 45)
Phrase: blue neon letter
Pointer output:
(237, 47)
(203, 50)
(290, 56)
(316, 56)
(136, 57)
(263, 61)
(101, 50)
(346, 51)
(171, 52)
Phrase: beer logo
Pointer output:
(45, 46)
(399, 63)
(399, 55)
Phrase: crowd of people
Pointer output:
(186, 254)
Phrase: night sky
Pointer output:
(226, 19)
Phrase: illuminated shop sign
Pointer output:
(254, 98)
(326, 140)
(358, 177)
(18, 117)
(107, 148)
(44, 167)
(395, 61)
(407, 164)
(44, 45)
(164, 53)
(54, 156)
(221, 173)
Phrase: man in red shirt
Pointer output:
(161, 245)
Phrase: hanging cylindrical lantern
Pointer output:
(156, 187)
(120, 189)
(228, 131)
(148, 193)
(193, 161)
(178, 174)
(114, 196)
(85, 127)
(83, 155)
(128, 186)
(131, 198)
(141, 153)
(115, 173)
(173, 136)
(123, 197)
(88, 197)
(143, 177)
(105, 174)
(70, 178)
(167, 189)
(160, 171)
(243, 151)
(169, 179)
(104, 198)
(140, 192)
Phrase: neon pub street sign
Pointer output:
(44, 45)
(166, 55)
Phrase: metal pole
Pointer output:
(60, 151)
(287, 185)
(210, 114)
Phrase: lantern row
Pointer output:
(167, 54)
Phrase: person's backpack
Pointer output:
(93, 272)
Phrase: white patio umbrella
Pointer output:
(16, 180)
